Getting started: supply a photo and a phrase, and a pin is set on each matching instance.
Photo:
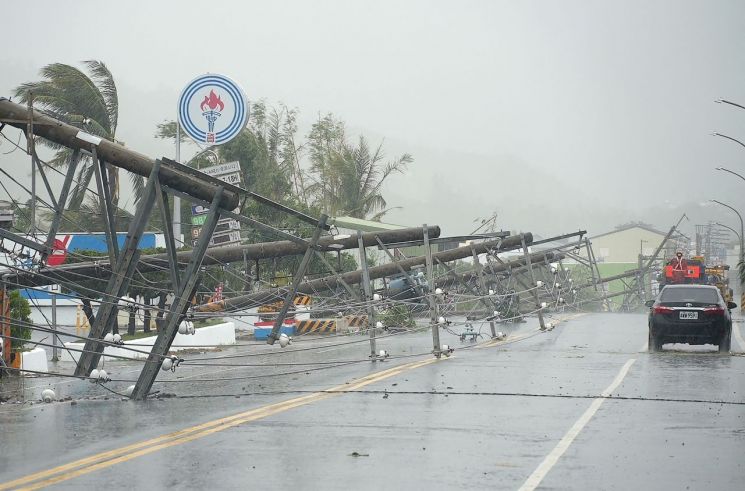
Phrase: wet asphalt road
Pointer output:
(485, 418)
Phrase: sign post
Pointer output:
(228, 230)
(212, 110)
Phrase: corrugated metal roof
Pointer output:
(364, 225)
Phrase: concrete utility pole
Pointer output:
(433, 309)
(113, 153)
(367, 288)
(533, 285)
(216, 255)
(355, 277)
(54, 324)
(32, 152)
(492, 269)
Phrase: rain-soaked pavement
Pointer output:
(524, 412)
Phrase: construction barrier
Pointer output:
(316, 326)
(270, 308)
(356, 320)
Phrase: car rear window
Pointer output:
(700, 295)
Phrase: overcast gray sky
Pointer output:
(607, 105)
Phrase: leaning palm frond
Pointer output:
(87, 101)
(138, 185)
(104, 81)
(349, 178)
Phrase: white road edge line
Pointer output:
(738, 336)
(534, 480)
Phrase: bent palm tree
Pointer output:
(350, 177)
(87, 101)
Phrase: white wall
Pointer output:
(36, 360)
(204, 338)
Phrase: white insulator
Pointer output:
(117, 339)
(438, 291)
(94, 376)
(48, 395)
(574, 292)
(166, 365)
(560, 299)
(570, 280)
(557, 285)
(377, 297)
(496, 312)
(440, 320)
(383, 354)
(128, 391)
(553, 270)
(501, 335)
(544, 305)
(379, 325)
(491, 292)
(539, 283)
(109, 338)
(182, 328)
(103, 376)
(284, 340)
(550, 325)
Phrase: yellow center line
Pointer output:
(123, 454)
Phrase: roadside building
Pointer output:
(620, 250)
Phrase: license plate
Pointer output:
(689, 315)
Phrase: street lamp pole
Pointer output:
(730, 229)
(742, 232)
(731, 172)
(729, 138)
(722, 101)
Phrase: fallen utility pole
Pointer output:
(536, 258)
(356, 277)
(215, 255)
(113, 153)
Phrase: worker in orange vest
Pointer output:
(680, 266)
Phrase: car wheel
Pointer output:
(653, 345)
(725, 344)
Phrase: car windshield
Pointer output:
(698, 295)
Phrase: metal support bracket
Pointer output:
(119, 280)
(299, 274)
(176, 313)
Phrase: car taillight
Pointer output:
(714, 310)
(662, 310)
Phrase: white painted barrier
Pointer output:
(204, 338)
(35, 360)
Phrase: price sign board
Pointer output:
(227, 230)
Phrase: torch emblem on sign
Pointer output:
(212, 109)
(209, 107)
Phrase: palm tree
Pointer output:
(349, 178)
(88, 101)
